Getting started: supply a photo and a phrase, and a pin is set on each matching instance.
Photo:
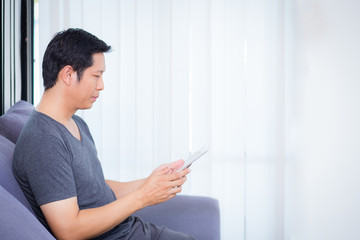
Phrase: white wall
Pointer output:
(323, 116)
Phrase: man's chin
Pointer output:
(85, 107)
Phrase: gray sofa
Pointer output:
(198, 216)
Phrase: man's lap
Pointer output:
(149, 231)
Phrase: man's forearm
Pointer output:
(121, 189)
(109, 215)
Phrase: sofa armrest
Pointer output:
(197, 216)
(16, 222)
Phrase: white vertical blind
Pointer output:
(182, 74)
(10, 53)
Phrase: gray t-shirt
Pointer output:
(50, 164)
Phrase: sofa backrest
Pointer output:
(13, 121)
(11, 124)
(17, 219)
(7, 179)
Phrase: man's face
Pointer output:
(87, 90)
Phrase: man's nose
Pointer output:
(100, 84)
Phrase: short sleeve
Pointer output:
(49, 170)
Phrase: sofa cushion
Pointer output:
(16, 222)
(7, 179)
(13, 121)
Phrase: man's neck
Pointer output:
(56, 107)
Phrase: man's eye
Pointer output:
(97, 76)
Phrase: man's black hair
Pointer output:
(73, 47)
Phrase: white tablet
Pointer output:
(194, 157)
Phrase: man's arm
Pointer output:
(122, 189)
(67, 221)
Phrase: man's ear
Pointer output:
(67, 75)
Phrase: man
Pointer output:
(55, 160)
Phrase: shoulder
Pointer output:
(36, 154)
(40, 124)
(41, 146)
(41, 128)
(41, 135)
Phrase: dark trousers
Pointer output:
(148, 231)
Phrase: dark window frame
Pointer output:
(26, 47)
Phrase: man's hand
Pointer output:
(122, 189)
(164, 183)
